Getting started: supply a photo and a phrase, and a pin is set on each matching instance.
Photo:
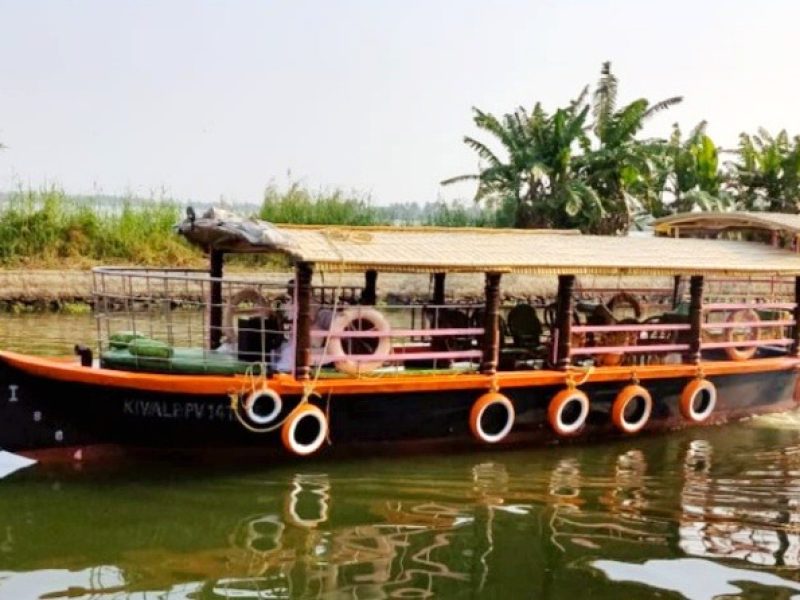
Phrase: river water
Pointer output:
(701, 513)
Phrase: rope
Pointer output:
(570, 377)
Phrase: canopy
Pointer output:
(433, 249)
(713, 222)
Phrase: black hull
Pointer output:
(42, 414)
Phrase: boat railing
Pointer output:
(739, 328)
(175, 307)
(750, 325)
(257, 323)
(362, 338)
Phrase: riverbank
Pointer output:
(70, 290)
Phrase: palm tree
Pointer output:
(621, 162)
(535, 179)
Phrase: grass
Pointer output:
(48, 228)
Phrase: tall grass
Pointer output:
(297, 204)
(49, 228)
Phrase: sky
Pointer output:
(209, 101)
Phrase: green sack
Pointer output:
(122, 339)
(149, 348)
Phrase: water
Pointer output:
(695, 514)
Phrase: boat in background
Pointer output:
(299, 364)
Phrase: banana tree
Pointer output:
(622, 166)
(767, 174)
(536, 178)
(693, 177)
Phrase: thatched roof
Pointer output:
(721, 221)
(430, 249)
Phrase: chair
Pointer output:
(524, 326)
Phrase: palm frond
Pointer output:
(663, 105)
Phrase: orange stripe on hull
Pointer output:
(58, 370)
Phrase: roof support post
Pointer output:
(302, 335)
(695, 318)
(564, 309)
(216, 262)
(438, 288)
(491, 324)
(796, 328)
(369, 295)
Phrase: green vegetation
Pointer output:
(49, 228)
(297, 204)
(585, 165)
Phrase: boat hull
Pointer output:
(43, 413)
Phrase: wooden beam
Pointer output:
(564, 308)
(216, 262)
(695, 318)
(303, 274)
(491, 325)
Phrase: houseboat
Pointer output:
(308, 362)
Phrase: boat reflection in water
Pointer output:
(550, 523)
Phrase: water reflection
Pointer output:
(548, 523)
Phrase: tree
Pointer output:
(767, 176)
(694, 178)
(621, 163)
(535, 180)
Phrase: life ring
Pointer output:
(250, 296)
(631, 408)
(359, 319)
(561, 412)
(262, 406)
(304, 430)
(491, 417)
(625, 298)
(748, 352)
(698, 400)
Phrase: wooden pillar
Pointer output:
(796, 329)
(369, 295)
(438, 288)
(676, 291)
(215, 300)
(302, 334)
(695, 318)
(491, 325)
(564, 308)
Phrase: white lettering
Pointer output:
(13, 389)
(188, 411)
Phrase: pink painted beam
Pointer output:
(750, 305)
(322, 333)
(615, 328)
(753, 324)
(746, 344)
(400, 357)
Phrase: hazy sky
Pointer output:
(203, 100)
